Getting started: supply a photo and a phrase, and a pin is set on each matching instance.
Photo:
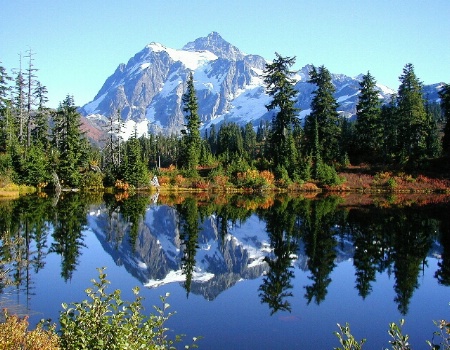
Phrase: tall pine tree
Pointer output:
(133, 168)
(69, 142)
(412, 117)
(369, 129)
(280, 86)
(192, 136)
(6, 120)
(324, 117)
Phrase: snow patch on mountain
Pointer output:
(130, 127)
(385, 90)
(190, 59)
(91, 107)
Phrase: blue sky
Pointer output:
(78, 44)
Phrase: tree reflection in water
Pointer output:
(390, 239)
(189, 229)
(282, 227)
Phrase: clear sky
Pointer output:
(79, 43)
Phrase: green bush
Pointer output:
(347, 340)
(327, 175)
(399, 340)
(391, 183)
(92, 180)
(105, 321)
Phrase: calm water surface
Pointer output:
(244, 273)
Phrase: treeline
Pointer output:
(38, 144)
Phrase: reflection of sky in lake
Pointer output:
(236, 319)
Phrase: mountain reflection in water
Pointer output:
(209, 244)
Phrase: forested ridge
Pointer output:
(40, 146)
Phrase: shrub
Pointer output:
(327, 175)
(252, 178)
(220, 180)
(399, 340)
(267, 176)
(14, 335)
(164, 180)
(107, 322)
(443, 334)
(200, 184)
(92, 180)
(347, 340)
(391, 183)
(122, 185)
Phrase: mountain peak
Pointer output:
(217, 45)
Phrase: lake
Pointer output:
(243, 272)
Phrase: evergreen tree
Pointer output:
(444, 93)
(212, 139)
(19, 102)
(432, 142)
(249, 140)
(4, 87)
(348, 142)
(192, 136)
(369, 129)
(6, 120)
(133, 168)
(324, 116)
(230, 144)
(412, 117)
(35, 167)
(69, 142)
(41, 129)
(280, 86)
(389, 120)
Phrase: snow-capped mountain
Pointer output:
(148, 89)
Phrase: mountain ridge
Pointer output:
(148, 89)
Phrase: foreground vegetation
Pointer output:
(106, 322)
(399, 341)
(103, 321)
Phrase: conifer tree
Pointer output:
(389, 119)
(6, 121)
(279, 83)
(230, 144)
(4, 87)
(324, 116)
(69, 142)
(412, 117)
(369, 129)
(432, 142)
(249, 140)
(41, 128)
(444, 93)
(133, 169)
(20, 102)
(212, 139)
(192, 136)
